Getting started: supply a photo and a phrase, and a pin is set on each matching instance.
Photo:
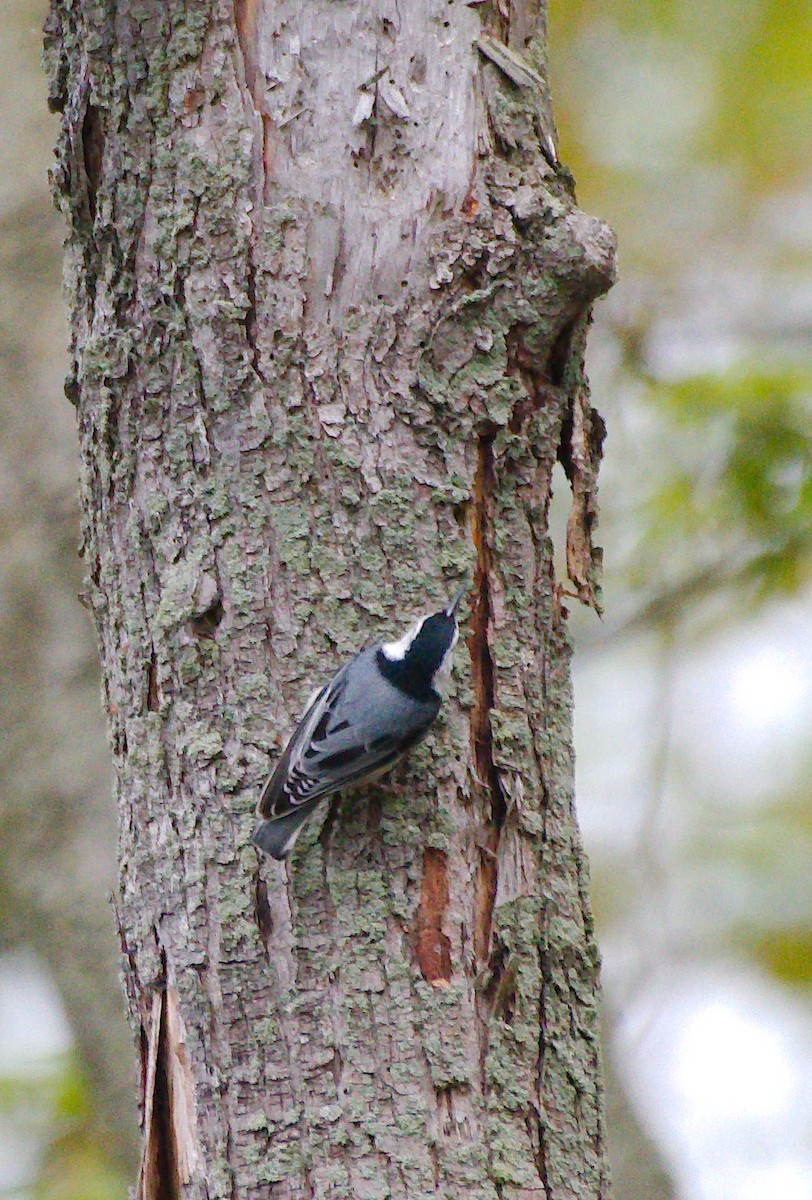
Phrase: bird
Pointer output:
(375, 708)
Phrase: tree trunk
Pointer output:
(329, 293)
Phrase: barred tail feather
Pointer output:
(277, 837)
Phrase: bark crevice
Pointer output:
(262, 912)
(159, 1178)
(171, 1153)
(93, 153)
(482, 669)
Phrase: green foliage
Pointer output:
(750, 62)
(786, 954)
(50, 1101)
(738, 477)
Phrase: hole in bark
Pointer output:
(433, 947)
(475, 276)
(93, 152)
(418, 70)
(153, 697)
(460, 512)
(559, 355)
(564, 452)
(556, 370)
(262, 912)
(204, 624)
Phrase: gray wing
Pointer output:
(356, 725)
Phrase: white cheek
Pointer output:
(396, 651)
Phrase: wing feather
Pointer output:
(327, 752)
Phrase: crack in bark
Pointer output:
(478, 641)
(432, 944)
(539, 1147)
(159, 1178)
(153, 695)
(482, 672)
(500, 988)
(543, 382)
(93, 153)
(162, 1137)
(170, 1149)
(540, 1152)
(251, 318)
(326, 832)
(262, 912)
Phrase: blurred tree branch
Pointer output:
(56, 819)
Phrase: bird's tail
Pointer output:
(278, 835)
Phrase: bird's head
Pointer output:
(423, 655)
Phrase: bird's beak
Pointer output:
(452, 607)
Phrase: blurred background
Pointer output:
(688, 126)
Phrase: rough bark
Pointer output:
(329, 299)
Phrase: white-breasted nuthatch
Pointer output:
(378, 705)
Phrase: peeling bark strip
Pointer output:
(320, 371)
(170, 1154)
(155, 1171)
(433, 946)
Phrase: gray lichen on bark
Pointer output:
(328, 302)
